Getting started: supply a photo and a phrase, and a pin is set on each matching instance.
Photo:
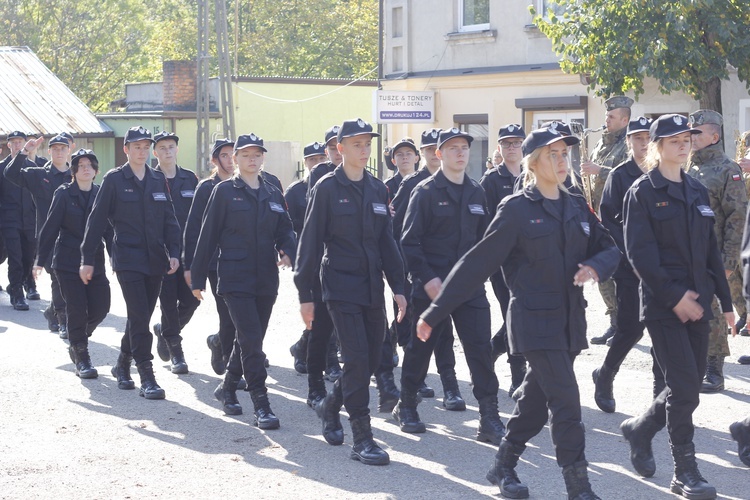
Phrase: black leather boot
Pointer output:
(161, 344)
(577, 482)
(741, 433)
(687, 480)
(714, 379)
(218, 363)
(316, 389)
(365, 449)
(328, 411)
(51, 317)
(491, 428)
(333, 368)
(741, 322)
(405, 413)
(503, 471)
(639, 432)
(226, 393)
(121, 372)
(177, 357)
(606, 336)
(603, 379)
(17, 299)
(264, 417)
(388, 393)
(517, 373)
(62, 321)
(425, 391)
(149, 388)
(82, 361)
(299, 352)
(452, 399)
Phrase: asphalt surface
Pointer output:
(62, 437)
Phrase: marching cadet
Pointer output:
(175, 298)
(610, 151)
(18, 225)
(220, 343)
(246, 220)
(60, 244)
(348, 237)
(445, 217)
(445, 357)
(548, 244)
(629, 327)
(671, 244)
(134, 198)
(498, 183)
(726, 190)
(296, 202)
(334, 159)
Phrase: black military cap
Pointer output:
(705, 116)
(83, 153)
(218, 144)
(315, 148)
(352, 128)
(430, 137)
(510, 130)
(405, 142)
(332, 133)
(17, 133)
(163, 135)
(67, 136)
(451, 133)
(640, 124)
(544, 137)
(618, 101)
(58, 139)
(247, 141)
(558, 125)
(668, 126)
(135, 134)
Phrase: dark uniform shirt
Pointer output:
(296, 202)
(392, 183)
(347, 235)
(16, 204)
(249, 227)
(401, 199)
(497, 184)
(182, 189)
(195, 220)
(317, 173)
(62, 234)
(612, 209)
(670, 242)
(442, 223)
(271, 179)
(147, 234)
(546, 310)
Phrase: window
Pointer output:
(398, 59)
(544, 6)
(398, 22)
(473, 15)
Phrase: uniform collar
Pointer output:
(442, 182)
(569, 211)
(659, 182)
(613, 137)
(341, 177)
(263, 191)
(708, 154)
(127, 171)
(632, 168)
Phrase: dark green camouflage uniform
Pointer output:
(728, 196)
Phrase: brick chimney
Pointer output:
(180, 85)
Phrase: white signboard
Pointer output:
(404, 107)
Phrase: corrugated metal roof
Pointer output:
(34, 100)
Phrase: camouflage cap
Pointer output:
(705, 116)
(618, 101)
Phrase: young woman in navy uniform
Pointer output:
(348, 238)
(176, 300)
(548, 244)
(247, 221)
(134, 198)
(60, 244)
(670, 241)
(220, 343)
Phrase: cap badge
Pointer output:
(511, 128)
(141, 130)
(316, 146)
(643, 121)
(434, 134)
(554, 131)
(336, 129)
(454, 130)
(253, 137)
(553, 126)
(361, 123)
(677, 120)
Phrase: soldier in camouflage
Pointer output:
(610, 151)
(728, 196)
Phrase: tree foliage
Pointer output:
(686, 45)
(96, 46)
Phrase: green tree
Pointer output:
(686, 45)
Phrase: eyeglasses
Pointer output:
(511, 144)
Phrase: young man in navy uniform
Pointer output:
(334, 158)
(42, 182)
(18, 227)
(348, 236)
(135, 199)
(446, 216)
(176, 299)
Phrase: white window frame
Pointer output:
(540, 9)
(469, 27)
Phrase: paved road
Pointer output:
(66, 438)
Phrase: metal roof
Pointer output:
(35, 101)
